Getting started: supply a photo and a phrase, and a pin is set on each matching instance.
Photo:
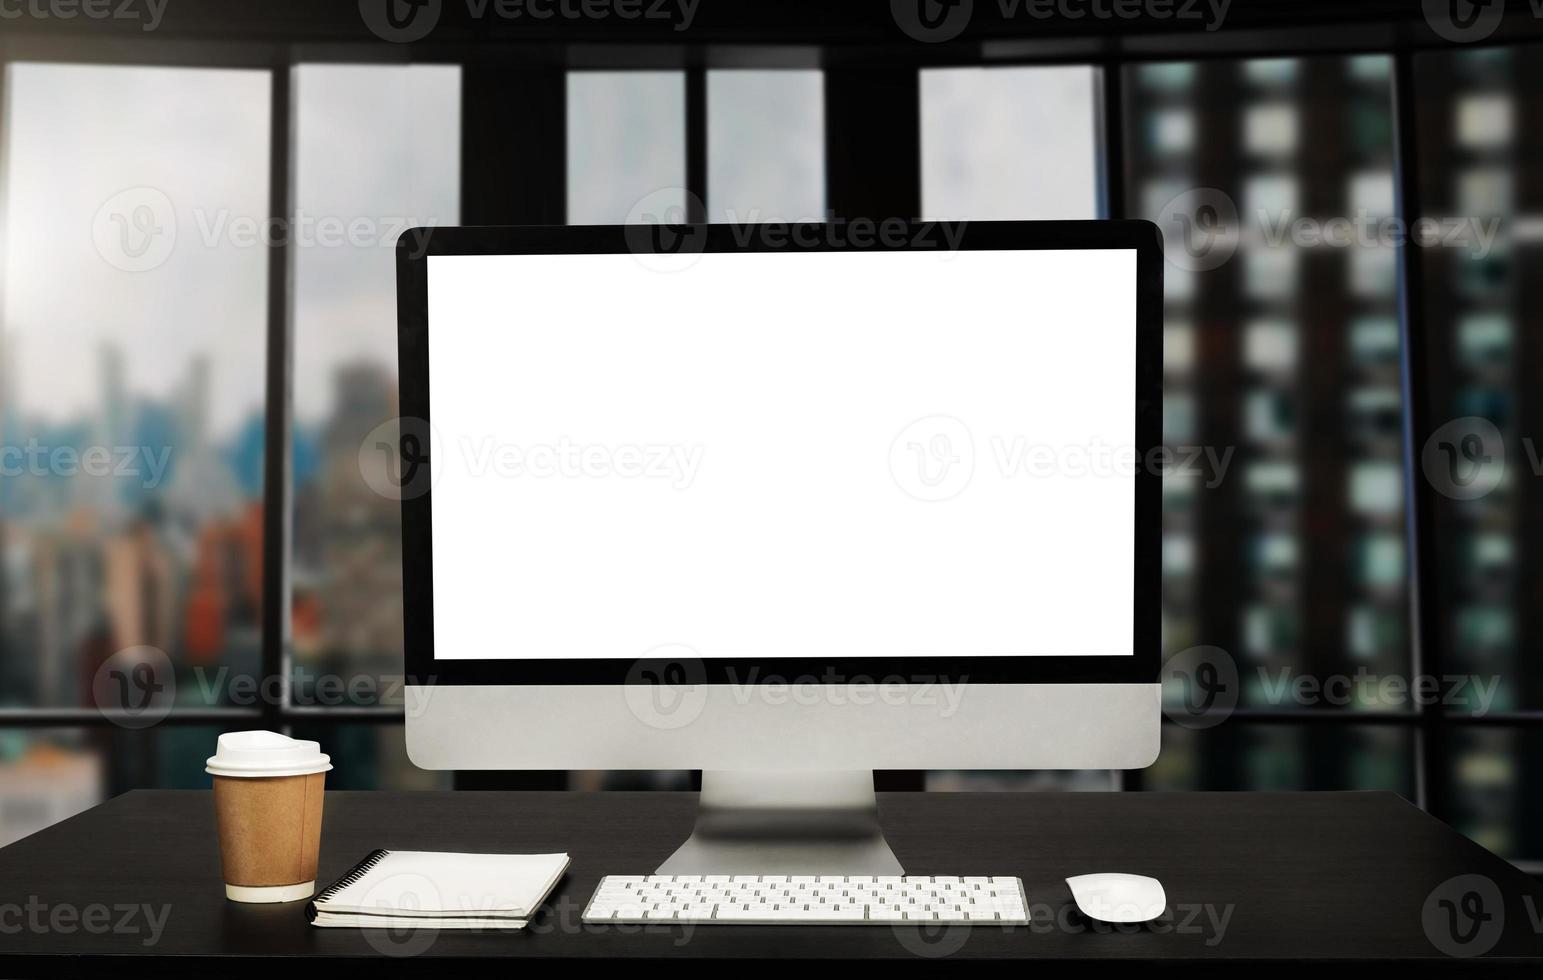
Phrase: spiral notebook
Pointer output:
(432, 890)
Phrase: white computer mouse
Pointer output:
(1118, 897)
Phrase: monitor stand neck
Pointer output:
(785, 823)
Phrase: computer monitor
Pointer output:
(785, 504)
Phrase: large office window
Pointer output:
(1479, 143)
(1286, 548)
(377, 152)
(1005, 143)
(626, 147)
(765, 146)
(131, 419)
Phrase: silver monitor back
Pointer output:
(781, 725)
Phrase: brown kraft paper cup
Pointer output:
(270, 835)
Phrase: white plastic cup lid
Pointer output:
(256, 754)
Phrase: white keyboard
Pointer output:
(807, 899)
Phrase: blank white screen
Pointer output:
(895, 454)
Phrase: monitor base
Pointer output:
(785, 823)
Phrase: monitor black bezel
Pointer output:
(417, 246)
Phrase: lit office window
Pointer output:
(1481, 298)
(1270, 129)
(1481, 293)
(131, 378)
(626, 147)
(1171, 131)
(765, 146)
(377, 150)
(1294, 368)
(1495, 773)
(1004, 143)
(1178, 348)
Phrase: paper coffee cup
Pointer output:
(267, 803)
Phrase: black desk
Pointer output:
(1291, 876)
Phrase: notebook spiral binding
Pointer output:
(352, 875)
